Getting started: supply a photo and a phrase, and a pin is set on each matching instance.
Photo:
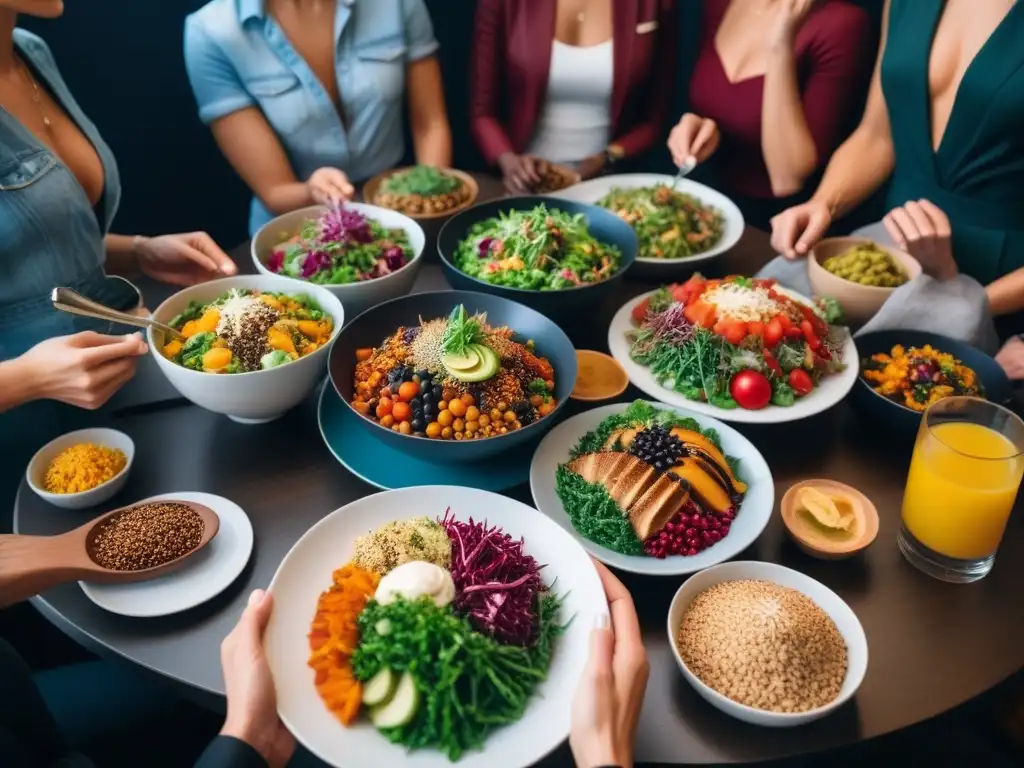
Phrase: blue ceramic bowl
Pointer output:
(371, 328)
(604, 225)
(905, 421)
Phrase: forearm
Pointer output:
(1006, 295)
(857, 169)
(786, 141)
(122, 259)
(433, 143)
(16, 384)
(285, 197)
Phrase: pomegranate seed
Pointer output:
(691, 532)
(691, 551)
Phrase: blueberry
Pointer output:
(418, 425)
(423, 374)
(427, 397)
(438, 392)
(426, 385)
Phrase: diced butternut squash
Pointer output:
(209, 321)
(190, 329)
(279, 339)
(216, 359)
(364, 353)
(310, 329)
(172, 349)
(272, 302)
(690, 437)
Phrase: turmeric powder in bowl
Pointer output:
(83, 467)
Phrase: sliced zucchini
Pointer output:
(380, 688)
(401, 708)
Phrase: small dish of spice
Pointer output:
(829, 520)
(599, 377)
(767, 644)
(81, 469)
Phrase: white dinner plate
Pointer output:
(306, 571)
(593, 190)
(208, 573)
(830, 390)
(751, 519)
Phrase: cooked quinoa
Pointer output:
(403, 541)
(83, 467)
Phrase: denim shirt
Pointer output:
(237, 56)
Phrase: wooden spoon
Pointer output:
(30, 565)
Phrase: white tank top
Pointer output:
(575, 122)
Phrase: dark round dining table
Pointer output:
(932, 646)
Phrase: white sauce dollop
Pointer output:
(415, 580)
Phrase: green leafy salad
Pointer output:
(668, 224)
(543, 249)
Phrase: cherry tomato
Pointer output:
(784, 321)
(809, 335)
(640, 311)
(384, 406)
(401, 411)
(736, 332)
(800, 381)
(750, 390)
(755, 328)
(794, 333)
(773, 333)
(408, 390)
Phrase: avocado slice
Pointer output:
(464, 362)
(402, 707)
(485, 369)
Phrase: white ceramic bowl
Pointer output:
(667, 269)
(260, 396)
(753, 516)
(357, 297)
(306, 571)
(845, 619)
(109, 438)
(830, 390)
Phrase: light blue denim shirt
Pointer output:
(237, 57)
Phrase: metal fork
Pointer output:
(67, 300)
(684, 170)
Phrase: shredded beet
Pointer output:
(496, 583)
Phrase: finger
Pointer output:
(911, 234)
(816, 227)
(340, 180)
(531, 170)
(85, 339)
(921, 220)
(131, 345)
(703, 139)
(256, 615)
(602, 650)
(191, 253)
(206, 245)
(938, 217)
(121, 376)
(894, 231)
(625, 622)
(685, 133)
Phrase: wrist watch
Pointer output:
(613, 153)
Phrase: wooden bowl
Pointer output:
(859, 302)
(820, 547)
(30, 565)
(372, 188)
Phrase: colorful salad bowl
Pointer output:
(680, 225)
(899, 418)
(260, 395)
(390, 278)
(556, 256)
(389, 368)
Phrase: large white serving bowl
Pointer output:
(260, 396)
(845, 619)
(356, 297)
(593, 190)
(306, 571)
(830, 390)
(754, 513)
(108, 438)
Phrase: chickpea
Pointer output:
(502, 406)
(446, 433)
(472, 413)
(457, 408)
(495, 414)
(484, 419)
(472, 426)
(442, 406)
(468, 399)
(363, 408)
(509, 417)
(405, 428)
(445, 418)
(433, 429)
(459, 426)
(387, 421)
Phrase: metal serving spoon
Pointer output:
(75, 303)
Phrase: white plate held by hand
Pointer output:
(750, 521)
(306, 572)
(206, 574)
(830, 390)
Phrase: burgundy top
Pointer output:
(512, 60)
(834, 48)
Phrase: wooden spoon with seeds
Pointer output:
(30, 565)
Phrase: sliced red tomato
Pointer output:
(736, 332)
(640, 311)
(793, 333)
(772, 363)
(800, 381)
(690, 291)
(700, 313)
(773, 333)
(755, 328)
(807, 329)
(784, 321)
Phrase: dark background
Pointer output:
(123, 61)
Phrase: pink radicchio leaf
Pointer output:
(276, 261)
(344, 225)
(314, 262)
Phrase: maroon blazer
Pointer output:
(512, 60)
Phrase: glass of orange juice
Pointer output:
(963, 481)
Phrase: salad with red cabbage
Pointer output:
(341, 246)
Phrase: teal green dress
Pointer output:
(977, 175)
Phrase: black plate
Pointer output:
(906, 421)
(371, 328)
(604, 225)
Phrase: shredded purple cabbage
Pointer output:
(484, 248)
(496, 583)
(395, 258)
(344, 225)
(276, 261)
(314, 262)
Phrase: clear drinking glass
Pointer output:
(963, 481)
